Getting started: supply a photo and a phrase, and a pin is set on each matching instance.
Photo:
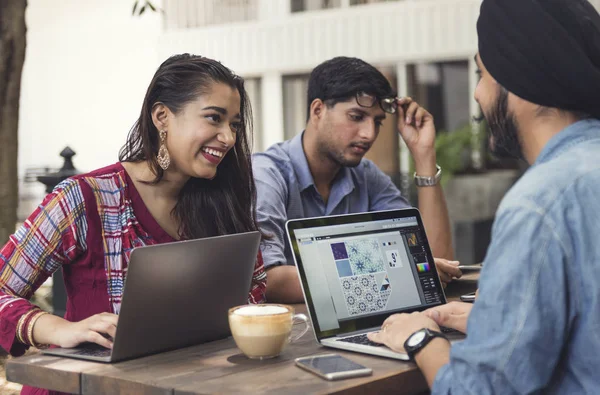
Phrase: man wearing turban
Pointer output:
(535, 325)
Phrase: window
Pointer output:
(312, 5)
(443, 89)
(294, 104)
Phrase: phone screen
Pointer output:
(330, 364)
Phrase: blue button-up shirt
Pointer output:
(535, 327)
(286, 190)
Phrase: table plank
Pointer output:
(466, 284)
(192, 365)
(257, 376)
(285, 377)
(45, 371)
(149, 374)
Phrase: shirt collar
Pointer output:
(581, 131)
(299, 162)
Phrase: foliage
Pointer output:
(140, 6)
(453, 150)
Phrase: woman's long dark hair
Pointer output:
(225, 204)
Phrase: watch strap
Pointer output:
(425, 181)
(429, 336)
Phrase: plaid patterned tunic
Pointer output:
(88, 226)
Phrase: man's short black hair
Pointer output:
(339, 79)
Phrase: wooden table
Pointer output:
(220, 367)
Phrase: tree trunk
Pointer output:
(12, 57)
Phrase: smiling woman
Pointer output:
(201, 110)
(184, 173)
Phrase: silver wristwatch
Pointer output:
(422, 181)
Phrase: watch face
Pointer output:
(416, 338)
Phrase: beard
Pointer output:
(504, 131)
(329, 148)
(338, 157)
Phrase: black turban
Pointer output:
(544, 51)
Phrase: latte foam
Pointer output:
(260, 310)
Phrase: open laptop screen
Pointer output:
(357, 269)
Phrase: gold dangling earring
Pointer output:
(163, 158)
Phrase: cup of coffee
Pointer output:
(262, 331)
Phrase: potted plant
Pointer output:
(472, 194)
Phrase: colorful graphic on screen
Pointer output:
(423, 267)
(364, 295)
(386, 284)
(393, 258)
(412, 239)
(339, 251)
(358, 257)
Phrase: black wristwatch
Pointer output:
(420, 339)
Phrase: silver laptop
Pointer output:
(358, 269)
(176, 295)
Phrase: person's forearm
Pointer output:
(434, 211)
(46, 329)
(431, 358)
(283, 285)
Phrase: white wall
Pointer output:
(385, 34)
(88, 64)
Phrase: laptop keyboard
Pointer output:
(360, 339)
(364, 340)
(94, 352)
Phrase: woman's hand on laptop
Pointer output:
(398, 327)
(447, 270)
(93, 329)
(452, 315)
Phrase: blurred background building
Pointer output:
(88, 64)
(424, 47)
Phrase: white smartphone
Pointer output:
(332, 366)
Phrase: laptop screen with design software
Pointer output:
(358, 269)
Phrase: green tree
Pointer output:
(12, 57)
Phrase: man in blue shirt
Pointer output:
(535, 325)
(322, 171)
